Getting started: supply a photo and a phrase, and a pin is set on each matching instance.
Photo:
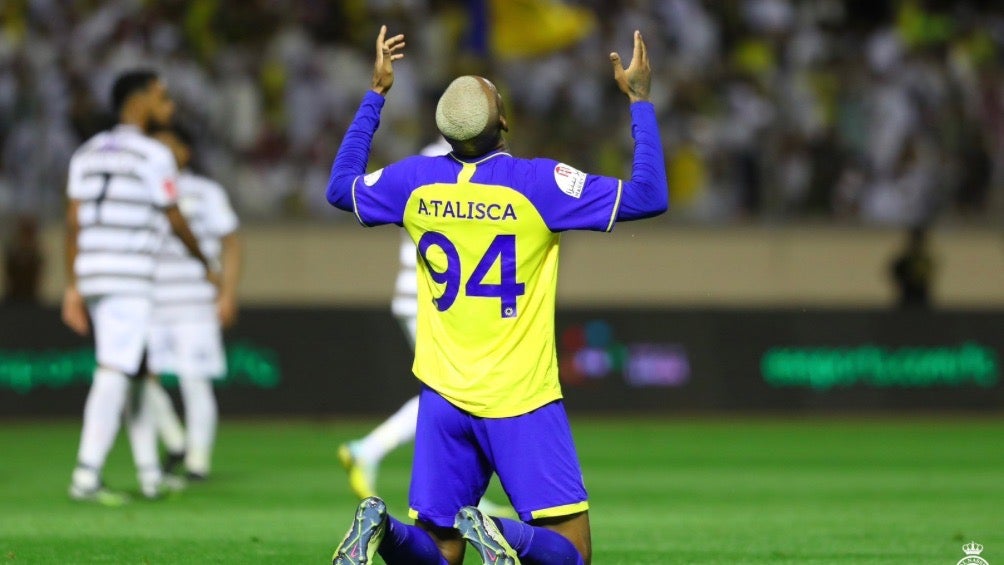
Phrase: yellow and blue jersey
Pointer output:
(487, 233)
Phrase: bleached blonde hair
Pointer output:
(463, 110)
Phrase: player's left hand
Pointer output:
(75, 312)
(226, 309)
(636, 80)
(386, 54)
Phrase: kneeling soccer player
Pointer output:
(487, 227)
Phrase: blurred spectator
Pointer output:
(22, 263)
(771, 108)
(912, 271)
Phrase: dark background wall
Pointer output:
(327, 361)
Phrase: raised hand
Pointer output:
(636, 80)
(386, 53)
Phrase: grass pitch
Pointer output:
(908, 491)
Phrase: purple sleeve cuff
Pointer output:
(350, 162)
(647, 193)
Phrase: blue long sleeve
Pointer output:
(350, 162)
(647, 193)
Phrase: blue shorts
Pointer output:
(456, 453)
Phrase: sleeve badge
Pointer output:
(571, 181)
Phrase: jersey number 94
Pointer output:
(502, 249)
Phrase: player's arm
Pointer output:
(165, 196)
(74, 311)
(646, 194)
(353, 154)
(570, 199)
(222, 222)
(231, 261)
(179, 225)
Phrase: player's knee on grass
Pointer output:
(575, 528)
(450, 544)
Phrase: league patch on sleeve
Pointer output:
(372, 178)
(170, 188)
(569, 180)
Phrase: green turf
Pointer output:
(797, 492)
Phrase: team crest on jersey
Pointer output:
(973, 551)
(570, 180)
(373, 177)
(170, 188)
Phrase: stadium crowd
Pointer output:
(888, 112)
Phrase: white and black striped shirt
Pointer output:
(405, 303)
(122, 180)
(181, 291)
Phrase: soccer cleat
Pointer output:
(172, 463)
(167, 487)
(173, 483)
(363, 538)
(362, 474)
(153, 492)
(100, 495)
(484, 536)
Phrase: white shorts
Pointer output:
(121, 325)
(187, 349)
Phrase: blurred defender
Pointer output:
(122, 196)
(186, 336)
(487, 227)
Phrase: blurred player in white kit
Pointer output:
(122, 190)
(189, 314)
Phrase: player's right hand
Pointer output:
(226, 309)
(215, 278)
(636, 80)
(75, 311)
(386, 53)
